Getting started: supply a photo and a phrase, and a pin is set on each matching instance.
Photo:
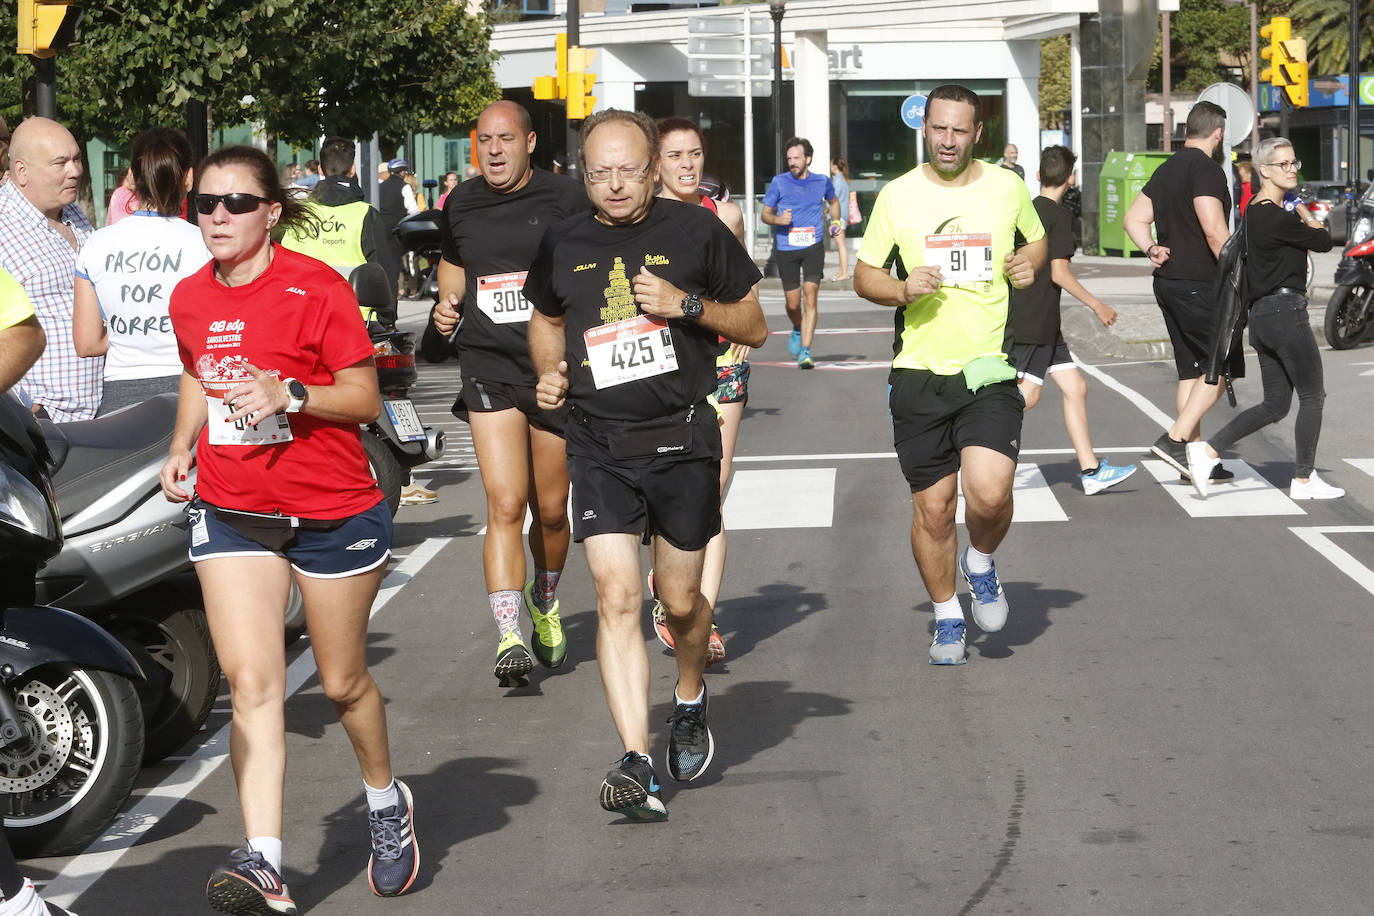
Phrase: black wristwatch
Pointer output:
(691, 307)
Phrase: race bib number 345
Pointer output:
(964, 257)
(498, 296)
(629, 350)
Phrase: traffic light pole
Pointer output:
(45, 87)
(574, 127)
(1353, 130)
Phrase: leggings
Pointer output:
(1289, 361)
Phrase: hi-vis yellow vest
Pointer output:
(339, 242)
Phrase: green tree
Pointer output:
(1325, 24)
(1056, 81)
(1209, 40)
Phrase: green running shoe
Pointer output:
(548, 642)
(513, 662)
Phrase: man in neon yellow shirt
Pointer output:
(950, 229)
(21, 336)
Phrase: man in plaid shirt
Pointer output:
(41, 230)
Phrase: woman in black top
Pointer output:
(1276, 271)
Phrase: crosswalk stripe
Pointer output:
(1247, 495)
(1361, 464)
(794, 498)
(1032, 497)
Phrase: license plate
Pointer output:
(405, 419)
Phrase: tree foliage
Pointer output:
(1056, 81)
(1325, 24)
(299, 69)
(1209, 42)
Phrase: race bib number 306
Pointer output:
(629, 350)
(498, 296)
(964, 257)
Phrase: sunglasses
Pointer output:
(237, 203)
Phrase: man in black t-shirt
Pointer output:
(1040, 351)
(490, 229)
(1189, 204)
(629, 301)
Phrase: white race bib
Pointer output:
(802, 237)
(273, 430)
(498, 296)
(963, 257)
(629, 350)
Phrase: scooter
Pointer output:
(1350, 312)
(419, 233)
(124, 563)
(71, 725)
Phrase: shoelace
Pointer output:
(948, 631)
(687, 723)
(552, 627)
(984, 585)
(386, 832)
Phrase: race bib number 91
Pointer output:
(498, 296)
(629, 350)
(964, 257)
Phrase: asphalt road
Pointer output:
(1176, 718)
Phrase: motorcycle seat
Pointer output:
(91, 456)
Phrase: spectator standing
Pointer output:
(450, 182)
(839, 177)
(1009, 157)
(395, 201)
(123, 200)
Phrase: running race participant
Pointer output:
(797, 204)
(1041, 351)
(630, 303)
(278, 374)
(491, 229)
(681, 163)
(949, 228)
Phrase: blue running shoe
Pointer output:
(794, 342)
(395, 855)
(804, 360)
(632, 789)
(989, 604)
(1107, 475)
(947, 648)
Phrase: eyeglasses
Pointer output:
(1287, 164)
(601, 176)
(237, 203)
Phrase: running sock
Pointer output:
(505, 607)
(977, 561)
(677, 698)
(380, 799)
(545, 584)
(949, 610)
(270, 847)
(1088, 472)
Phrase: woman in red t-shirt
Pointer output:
(278, 374)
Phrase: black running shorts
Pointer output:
(808, 263)
(480, 396)
(934, 417)
(676, 498)
(1037, 362)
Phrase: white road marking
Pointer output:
(801, 498)
(890, 456)
(1247, 495)
(1317, 539)
(1139, 400)
(823, 331)
(83, 870)
(1362, 464)
(1035, 500)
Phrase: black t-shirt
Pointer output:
(1035, 309)
(1278, 243)
(584, 272)
(1187, 174)
(493, 237)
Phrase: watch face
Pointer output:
(296, 389)
(691, 306)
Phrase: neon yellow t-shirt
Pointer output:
(15, 305)
(968, 231)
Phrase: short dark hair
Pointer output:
(639, 119)
(804, 143)
(1204, 118)
(670, 125)
(294, 213)
(953, 92)
(160, 158)
(1056, 165)
(337, 156)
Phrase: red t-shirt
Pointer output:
(299, 318)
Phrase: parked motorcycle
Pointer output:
(419, 233)
(1350, 312)
(397, 440)
(71, 725)
(124, 563)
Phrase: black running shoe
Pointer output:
(249, 886)
(1174, 452)
(1219, 473)
(632, 789)
(690, 746)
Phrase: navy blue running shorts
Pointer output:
(356, 545)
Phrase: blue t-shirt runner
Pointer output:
(806, 198)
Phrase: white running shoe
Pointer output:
(1315, 488)
(1200, 466)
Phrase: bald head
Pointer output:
(45, 164)
(505, 140)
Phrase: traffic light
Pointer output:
(46, 26)
(1296, 71)
(580, 102)
(1277, 32)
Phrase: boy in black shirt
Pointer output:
(1040, 349)
(628, 305)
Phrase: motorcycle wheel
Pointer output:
(388, 471)
(163, 628)
(1347, 316)
(65, 783)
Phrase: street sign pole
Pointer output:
(748, 207)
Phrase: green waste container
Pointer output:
(1123, 175)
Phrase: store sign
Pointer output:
(1322, 92)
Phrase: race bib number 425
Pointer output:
(498, 296)
(629, 350)
(963, 257)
